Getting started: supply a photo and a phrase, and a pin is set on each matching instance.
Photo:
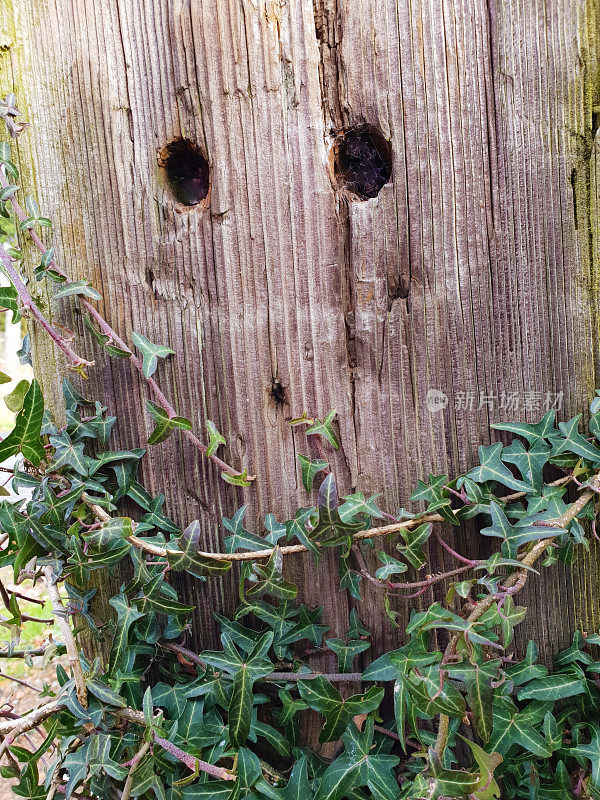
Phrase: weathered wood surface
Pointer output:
(474, 270)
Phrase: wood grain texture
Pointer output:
(473, 271)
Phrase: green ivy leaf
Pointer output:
(310, 469)
(14, 400)
(151, 353)
(591, 752)
(215, 438)
(346, 652)
(104, 340)
(325, 429)
(239, 479)
(189, 559)
(79, 289)
(320, 695)
(492, 469)
(552, 687)
(9, 299)
(165, 425)
(533, 433)
(573, 442)
(25, 436)
(268, 579)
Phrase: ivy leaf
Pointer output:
(573, 442)
(530, 463)
(320, 695)
(310, 469)
(297, 527)
(25, 436)
(391, 566)
(511, 615)
(511, 726)
(432, 490)
(151, 353)
(346, 652)
(451, 782)
(215, 438)
(245, 670)
(414, 539)
(298, 787)
(478, 678)
(165, 425)
(533, 433)
(14, 400)
(527, 670)
(9, 299)
(189, 559)
(430, 696)
(514, 536)
(104, 340)
(105, 694)
(487, 763)
(67, 454)
(126, 616)
(77, 288)
(552, 687)
(268, 579)
(492, 469)
(325, 429)
(360, 765)
(591, 751)
(239, 479)
(355, 504)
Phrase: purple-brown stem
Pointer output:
(29, 303)
(107, 330)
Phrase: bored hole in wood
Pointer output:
(186, 171)
(362, 161)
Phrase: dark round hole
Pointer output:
(186, 171)
(362, 161)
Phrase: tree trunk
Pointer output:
(472, 271)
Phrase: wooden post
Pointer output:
(472, 271)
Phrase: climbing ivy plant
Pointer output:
(451, 713)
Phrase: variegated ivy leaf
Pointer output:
(165, 425)
(151, 353)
